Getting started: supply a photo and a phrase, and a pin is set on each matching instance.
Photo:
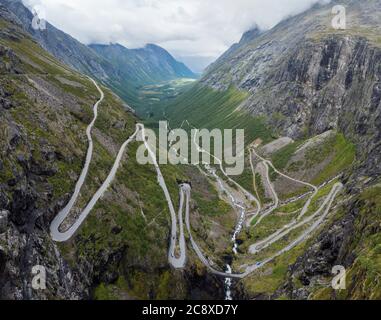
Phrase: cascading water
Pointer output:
(237, 231)
(228, 284)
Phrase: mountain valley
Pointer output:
(308, 199)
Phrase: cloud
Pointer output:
(191, 28)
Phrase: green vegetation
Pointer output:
(114, 291)
(319, 198)
(104, 292)
(317, 163)
(343, 151)
(271, 224)
(370, 33)
(364, 275)
(265, 282)
(211, 206)
(131, 221)
(245, 179)
(336, 151)
(261, 189)
(210, 109)
(152, 98)
(268, 280)
(32, 113)
(146, 197)
(137, 69)
(53, 107)
(293, 206)
(281, 158)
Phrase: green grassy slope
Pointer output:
(207, 108)
(363, 275)
(148, 65)
(127, 233)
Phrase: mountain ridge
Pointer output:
(86, 60)
(45, 109)
(274, 84)
(154, 62)
(303, 78)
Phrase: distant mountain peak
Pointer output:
(121, 68)
(153, 46)
(251, 34)
(147, 65)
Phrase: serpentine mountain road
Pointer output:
(185, 195)
(185, 188)
(59, 236)
(179, 262)
(56, 234)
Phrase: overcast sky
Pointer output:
(195, 31)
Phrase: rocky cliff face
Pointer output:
(351, 241)
(122, 70)
(120, 252)
(61, 45)
(27, 163)
(304, 78)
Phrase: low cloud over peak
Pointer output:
(199, 29)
